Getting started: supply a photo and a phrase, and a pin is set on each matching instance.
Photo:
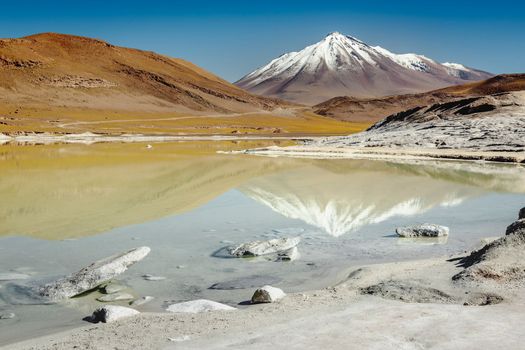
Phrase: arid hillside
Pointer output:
(63, 83)
(372, 110)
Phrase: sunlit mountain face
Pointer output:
(344, 198)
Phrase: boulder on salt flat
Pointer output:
(267, 294)
(111, 313)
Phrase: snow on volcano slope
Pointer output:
(343, 65)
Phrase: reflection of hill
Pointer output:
(342, 196)
(55, 192)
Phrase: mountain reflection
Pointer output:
(65, 191)
(342, 196)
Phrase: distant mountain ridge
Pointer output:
(342, 65)
(374, 109)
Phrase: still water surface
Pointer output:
(64, 206)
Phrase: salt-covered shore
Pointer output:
(489, 128)
(470, 301)
(90, 138)
(385, 153)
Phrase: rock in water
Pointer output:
(110, 313)
(423, 230)
(272, 246)
(142, 300)
(522, 213)
(92, 276)
(115, 297)
(267, 294)
(499, 263)
(289, 255)
(7, 316)
(196, 306)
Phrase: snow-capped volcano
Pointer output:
(343, 65)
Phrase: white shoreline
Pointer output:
(91, 138)
(383, 153)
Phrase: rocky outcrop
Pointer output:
(258, 248)
(516, 227)
(492, 123)
(267, 294)
(500, 263)
(197, 306)
(423, 230)
(522, 214)
(111, 313)
(92, 276)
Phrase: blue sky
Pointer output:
(231, 38)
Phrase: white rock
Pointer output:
(7, 316)
(115, 297)
(200, 305)
(267, 294)
(11, 276)
(423, 230)
(93, 275)
(289, 255)
(271, 246)
(110, 313)
(142, 300)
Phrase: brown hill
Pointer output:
(63, 83)
(77, 71)
(374, 109)
(498, 84)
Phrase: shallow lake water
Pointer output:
(65, 206)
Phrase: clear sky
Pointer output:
(231, 38)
